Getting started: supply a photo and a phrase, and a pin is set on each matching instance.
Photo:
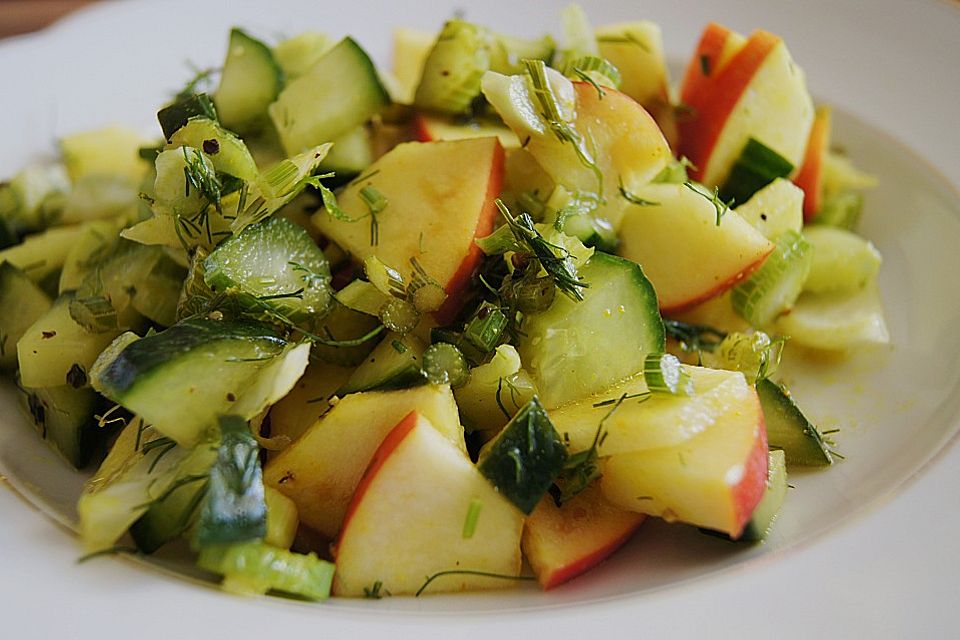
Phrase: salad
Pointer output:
(364, 334)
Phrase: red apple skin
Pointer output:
(746, 495)
(561, 543)
(719, 289)
(421, 131)
(459, 283)
(709, 48)
(810, 175)
(389, 444)
(713, 103)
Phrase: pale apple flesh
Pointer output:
(687, 256)
(429, 127)
(407, 521)
(563, 542)
(643, 422)
(439, 198)
(625, 144)
(714, 480)
(321, 469)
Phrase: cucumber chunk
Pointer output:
(42, 254)
(757, 166)
(788, 429)
(226, 152)
(251, 79)
(765, 513)
(175, 511)
(298, 54)
(575, 349)
(180, 379)
(525, 457)
(55, 344)
(842, 260)
(340, 92)
(21, 304)
(64, 417)
(396, 363)
(176, 115)
(836, 321)
(454, 67)
(274, 265)
(234, 509)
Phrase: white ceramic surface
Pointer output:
(859, 548)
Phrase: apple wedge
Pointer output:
(714, 480)
(561, 543)
(429, 127)
(642, 422)
(810, 175)
(736, 92)
(625, 144)
(321, 469)
(422, 509)
(636, 50)
(687, 256)
(439, 197)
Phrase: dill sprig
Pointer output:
(632, 197)
(694, 337)
(582, 468)
(375, 592)
(468, 572)
(376, 203)
(555, 260)
(549, 111)
(713, 198)
(201, 176)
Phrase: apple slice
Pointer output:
(561, 543)
(714, 480)
(643, 422)
(684, 253)
(322, 468)
(422, 508)
(759, 93)
(428, 127)
(439, 197)
(624, 141)
(410, 50)
(636, 50)
(810, 176)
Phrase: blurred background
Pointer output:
(24, 16)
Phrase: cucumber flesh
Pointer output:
(525, 457)
(842, 260)
(42, 254)
(350, 154)
(396, 363)
(251, 79)
(226, 151)
(175, 511)
(339, 93)
(64, 417)
(234, 509)
(21, 304)
(298, 54)
(575, 349)
(788, 429)
(454, 68)
(836, 321)
(55, 344)
(180, 379)
(273, 265)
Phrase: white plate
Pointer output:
(836, 565)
